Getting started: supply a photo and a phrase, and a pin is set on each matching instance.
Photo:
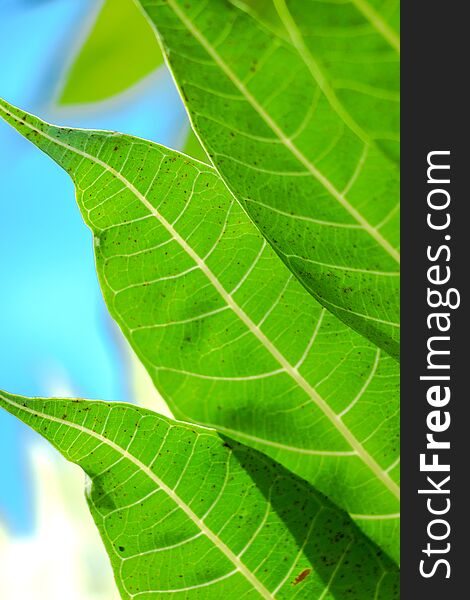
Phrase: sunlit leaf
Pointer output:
(182, 510)
(303, 127)
(229, 336)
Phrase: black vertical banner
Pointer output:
(435, 356)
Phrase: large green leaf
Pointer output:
(119, 50)
(182, 510)
(229, 336)
(304, 133)
(357, 46)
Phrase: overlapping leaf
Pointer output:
(229, 336)
(183, 511)
(304, 132)
(357, 45)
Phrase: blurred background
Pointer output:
(92, 64)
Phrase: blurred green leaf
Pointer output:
(186, 512)
(119, 51)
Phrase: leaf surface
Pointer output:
(304, 132)
(229, 336)
(119, 50)
(184, 511)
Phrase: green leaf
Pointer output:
(304, 133)
(185, 511)
(229, 336)
(192, 147)
(118, 52)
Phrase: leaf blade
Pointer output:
(132, 455)
(229, 337)
(286, 172)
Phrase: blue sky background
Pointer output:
(54, 328)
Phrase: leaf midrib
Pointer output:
(240, 566)
(291, 370)
(284, 139)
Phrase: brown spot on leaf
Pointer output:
(301, 576)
